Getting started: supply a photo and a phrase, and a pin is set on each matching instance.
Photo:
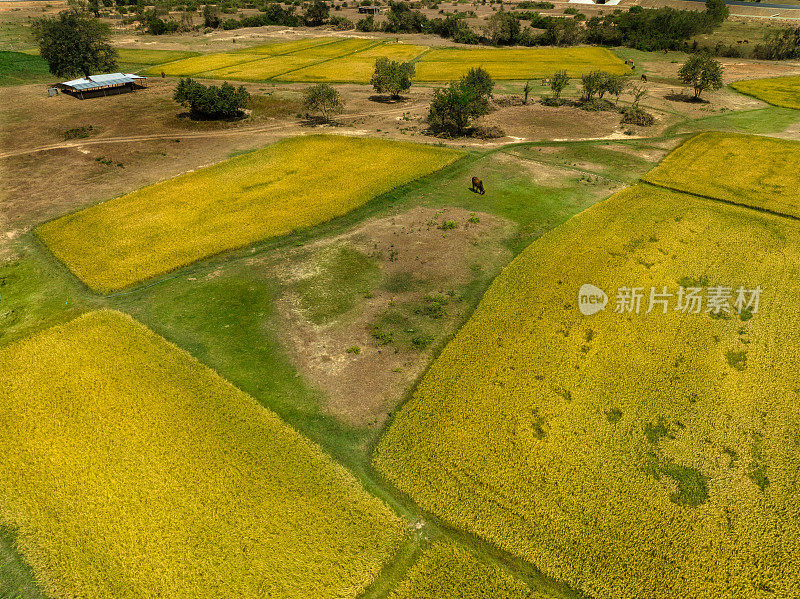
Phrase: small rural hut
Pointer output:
(369, 10)
(103, 85)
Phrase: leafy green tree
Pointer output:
(322, 98)
(317, 13)
(716, 11)
(392, 76)
(558, 82)
(502, 28)
(74, 43)
(702, 72)
(211, 102)
(455, 106)
(211, 17)
(591, 83)
(479, 79)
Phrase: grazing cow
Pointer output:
(477, 186)
(644, 77)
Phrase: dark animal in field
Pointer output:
(644, 77)
(477, 186)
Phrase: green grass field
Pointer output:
(352, 60)
(616, 451)
(18, 68)
(293, 184)
(131, 470)
(779, 91)
(149, 57)
(751, 170)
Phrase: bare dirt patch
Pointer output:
(416, 302)
(536, 122)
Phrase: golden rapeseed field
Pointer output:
(628, 453)
(752, 170)
(779, 91)
(353, 60)
(130, 470)
(273, 191)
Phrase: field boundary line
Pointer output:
(375, 45)
(721, 200)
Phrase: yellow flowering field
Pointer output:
(261, 69)
(357, 67)
(273, 191)
(751, 170)
(445, 64)
(447, 571)
(130, 470)
(288, 47)
(146, 56)
(779, 91)
(190, 67)
(353, 59)
(629, 454)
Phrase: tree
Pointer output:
(392, 76)
(558, 82)
(526, 91)
(614, 85)
(455, 106)
(591, 83)
(317, 13)
(74, 43)
(224, 101)
(479, 79)
(502, 28)
(322, 98)
(717, 11)
(702, 72)
(211, 16)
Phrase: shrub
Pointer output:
(213, 102)
(392, 76)
(322, 98)
(637, 116)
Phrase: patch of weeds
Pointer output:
(354, 350)
(538, 423)
(78, 132)
(421, 341)
(448, 225)
(733, 455)
(565, 393)
(736, 359)
(473, 220)
(687, 281)
(614, 415)
(692, 484)
(341, 276)
(399, 282)
(655, 432)
(433, 306)
(381, 335)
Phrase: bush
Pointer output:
(224, 101)
(392, 76)
(455, 106)
(637, 116)
(367, 24)
(341, 23)
(322, 98)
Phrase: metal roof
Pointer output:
(106, 80)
